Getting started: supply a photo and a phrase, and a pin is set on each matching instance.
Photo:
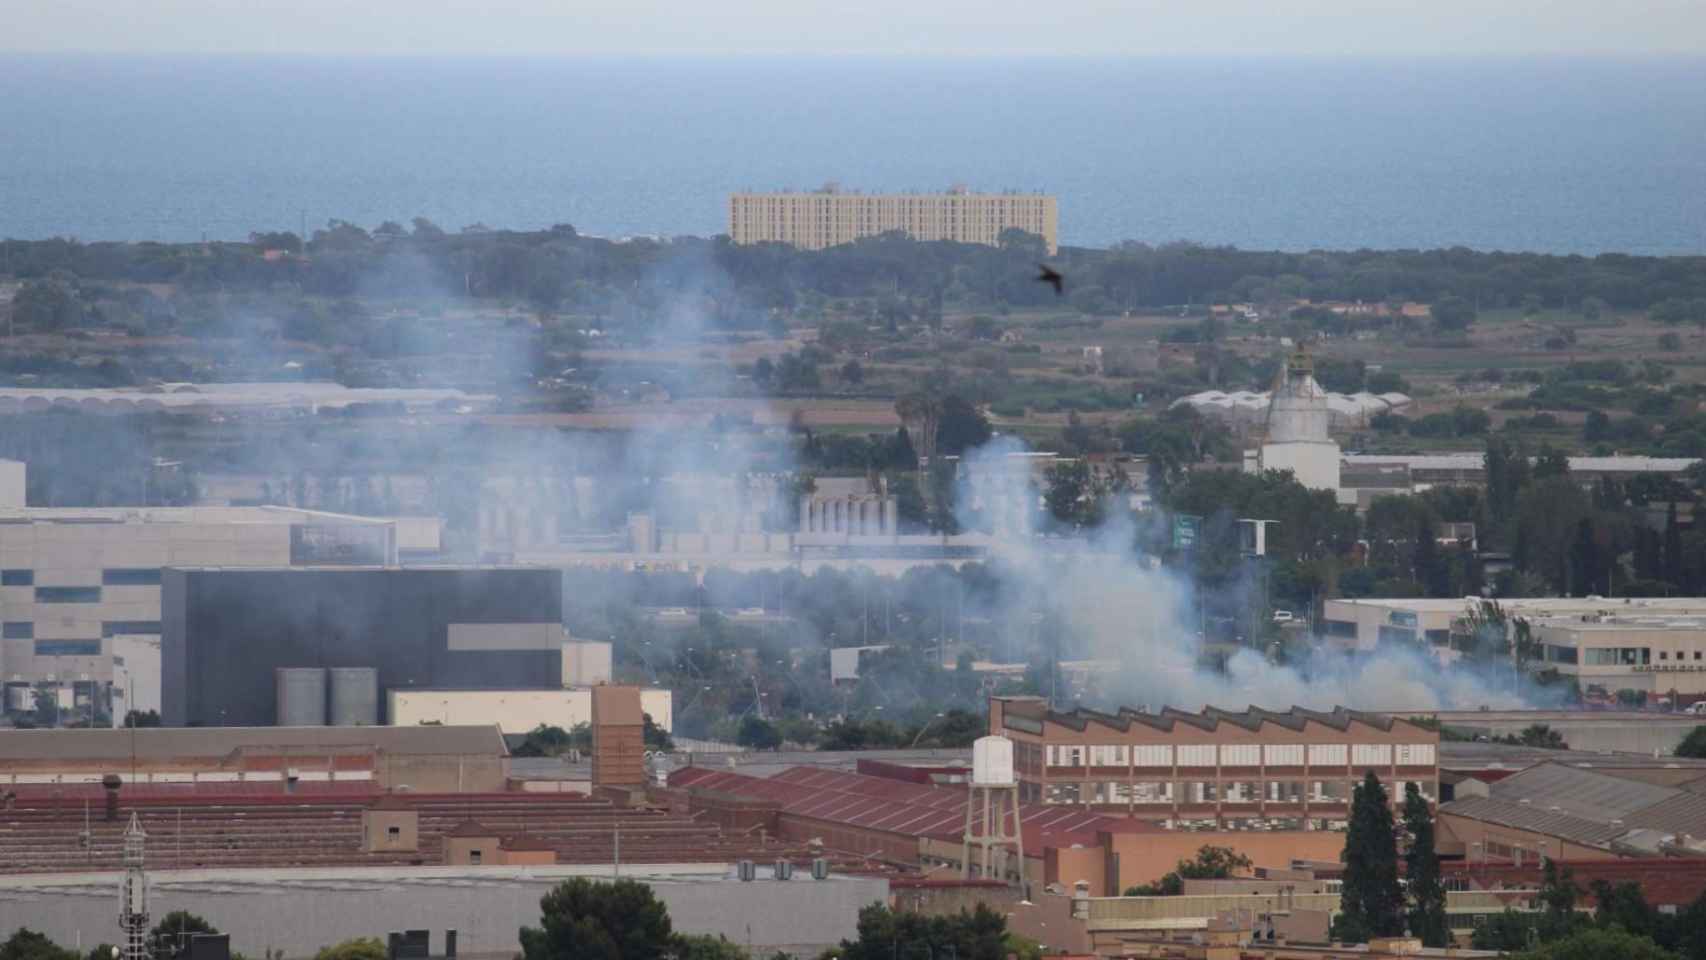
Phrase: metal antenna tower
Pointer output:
(133, 894)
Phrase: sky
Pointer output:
(853, 27)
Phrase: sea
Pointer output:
(1556, 155)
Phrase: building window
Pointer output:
(1197, 755)
(1158, 755)
(1065, 756)
(1438, 638)
(19, 630)
(474, 857)
(113, 628)
(17, 578)
(1664, 655)
(68, 648)
(1114, 756)
(1152, 791)
(394, 833)
(1327, 755)
(1415, 754)
(1242, 791)
(68, 594)
(1285, 791)
(1558, 654)
(1241, 755)
(1328, 791)
(1283, 754)
(131, 577)
(1371, 754)
(1061, 793)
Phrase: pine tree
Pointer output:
(1372, 903)
(1421, 872)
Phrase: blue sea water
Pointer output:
(1558, 155)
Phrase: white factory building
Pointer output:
(80, 587)
(1364, 624)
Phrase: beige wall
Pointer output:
(1146, 857)
(376, 827)
(1676, 658)
(514, 711)
(813, 221)
(1460, 832)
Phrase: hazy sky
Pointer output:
(1186, 27)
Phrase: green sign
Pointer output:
(1186, 529)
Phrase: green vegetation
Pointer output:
(583, 919)
(172, 929)
(1372, 902)
(360, 948)
(1693, 745)
(1426, 915)
(1210, 863)
(979, 934)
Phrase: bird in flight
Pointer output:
(1052, 277)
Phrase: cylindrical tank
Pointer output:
(301, 696)
(355, 697)
(992, 762)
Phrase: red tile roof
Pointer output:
(914, 810)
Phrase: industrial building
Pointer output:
(1654, 654)
(514, 711)
(163, 762)
(1364, 624)
(830, 217)
(265, 910)
(80, 587)
(1245, 770)
(1573, 813)
(228, 632)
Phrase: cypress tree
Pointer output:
(1371, 903)
(1673, 546)
(1421, 873)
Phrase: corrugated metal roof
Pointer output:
(910, 809)
(1533, 818)
(157, 743)
(1580, 793)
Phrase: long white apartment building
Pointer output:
(80, 587)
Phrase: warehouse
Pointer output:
(228, 632)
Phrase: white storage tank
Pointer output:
(992, 762)
(301, 696)
(355, 697)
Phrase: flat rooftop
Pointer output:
(180, 515)
(1615, 606)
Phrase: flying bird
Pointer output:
(1051, 277)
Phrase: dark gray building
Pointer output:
(226, 631)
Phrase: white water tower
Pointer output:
(992, 811)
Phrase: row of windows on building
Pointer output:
(26, 630)
(1615, 656)
(1197, 792)
(111, 577)
(1242, 755)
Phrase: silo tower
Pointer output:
(1297, 437)
(995, 831)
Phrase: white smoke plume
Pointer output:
(1129, 610)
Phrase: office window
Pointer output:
(1241, 755)
(1327, 755)
(18, 630)
(68, 648)
(1201, 791)
(1415, 754)
(1328, 791)
(1152, 791)
(17, 578)
(1109, 756)
(1371, 754)
(1243, 791)
(131, 577)
(1154, 755)
(1284, 754)
(1285, 791)
(68, 594)
(1197, 755)
(1559, 654)
(1061, 793)
(1066, 756)
(113, 628)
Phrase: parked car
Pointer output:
(1282, 616)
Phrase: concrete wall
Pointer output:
(803, 915)
(1146, 857)
(13, 475)
(514, 711)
